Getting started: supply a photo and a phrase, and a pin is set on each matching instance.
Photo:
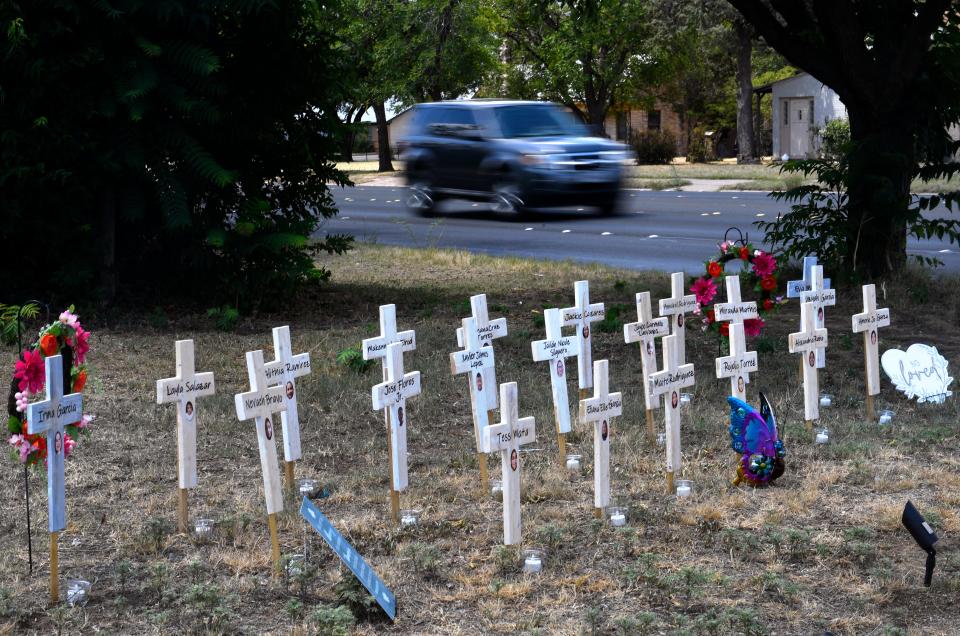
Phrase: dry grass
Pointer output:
(822, 550)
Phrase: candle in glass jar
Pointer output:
(573, 463)
(533, 564)
(822, 437)
(826, 400)
(683, 491)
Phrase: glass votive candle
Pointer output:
(409, 517)
(78, 592)
(826, 399)
(496, 488)
(203, 529)
(573, 463)
(308, 487)
(684, 488)
(686, 398)
(295, 565)
(886, 417)
(533, 560)
(617, 515)
(823, 436)
(661, 439)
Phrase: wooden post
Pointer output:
(651, 428)
(182, 509)
(484, 474)
(562, 445)
(670, 487)
(54, 569)
(871, 415)
(274, 543)
(288, 473)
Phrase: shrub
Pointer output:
(654, 146)
(834, 139)
(700, 148)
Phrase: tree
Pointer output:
(894, 64)
(746, 145)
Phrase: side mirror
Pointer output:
(924, 535)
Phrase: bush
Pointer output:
(700, 148)
(654, 146)
(834, 139)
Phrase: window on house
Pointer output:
(786, 114)
(653, 120)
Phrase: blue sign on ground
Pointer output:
(351, 557)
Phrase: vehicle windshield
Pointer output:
(540, 120)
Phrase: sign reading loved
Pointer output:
(920, 372)
(350, 557)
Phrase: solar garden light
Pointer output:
(924, 535)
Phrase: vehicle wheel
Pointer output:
(421, 199)
(506, 200)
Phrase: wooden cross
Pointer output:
(261, 404)
(797, 287)
(284, 370)
(184, 389)
(507, 437)
(645, 331)
(739, 364)
(677, 306)
(489, 331)
(391, 395)
(474, 360)
(806, 342)
(51, 416)
(821, 297)
(580, 316)
(555, 350)
(869, 322)
(601, 409)
(668, 383)
(734, 310)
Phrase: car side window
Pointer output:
(443, 115)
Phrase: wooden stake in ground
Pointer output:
(261, 404)
(555, 350)
(869, 322)
(489, 331)
(601, 409)
(676, 307)
(580, 316)
(645, 331)
(668, 382)
(474, 360)
(507, 437)
(821, 297)
(50, 416)
(392, 395)
(806, 342)
(797, 287)
(739, 364)
(284, 370)
(184, 389)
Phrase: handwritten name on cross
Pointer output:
(284, 370)
(601, 409)
(392, 395)
(734, 310)
(184, 389)
(797, 287)
(676, 307)
(868, 323)
(668, 383)
(645, 331)
(489, 331)
(474, 360)
(261, 404)
(373, 348)
(806, 342)
(555, 350)
(739, 364)
(821, 297)
(507, 437)
(580, 316)
(50, 416)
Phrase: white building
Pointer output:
(802, 106)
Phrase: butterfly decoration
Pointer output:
(753, 435)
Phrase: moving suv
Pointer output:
(515, 154)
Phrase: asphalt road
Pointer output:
(667, 231)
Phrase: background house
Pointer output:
(623, 121)
(801, 106)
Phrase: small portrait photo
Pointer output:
(513, 459)
(479, 382)
(820, 314)
(188, 410)
(650, 348)
(58, 442)
(604, 430)
(679, 320)
(674, 399)
(399, 416)
(740, 384)
(289, 389)
(812, 359)
(586, 332)
(560, 368)
(873, 337)
(268, 428)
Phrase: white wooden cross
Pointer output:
(555, 350)
(868, 323)
(489, 331)
(284, 370)
(392, 395)
(50, 416)
(821, 297)
(184, 389)
(373, 348)
(797, 287)
(601, 409)
(507, 437)
(668, 383)
(580, 316)
(806, 342)
(474, 360)
(734, 310)
(739, 364)
(677, 306)
(645, 331)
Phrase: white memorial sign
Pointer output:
(645, 331)
(601, 409)
(555, 350)
(392, 395)
(821, 297)
(919, 372)
(739, 364)
(806, 342)
(869, 322)
(676, 307)
(580, 316)
(285, 370)
(734, 310)
(489, 331)
(473, 361)
(797, 287)
(668, 383)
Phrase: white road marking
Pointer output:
(943, 252)
(527, 229)
(579, 209)
(704, 214)
(761, 214)
(654, 236)
(716, 214)
(609, 233)
(565, 232)
(344, 217)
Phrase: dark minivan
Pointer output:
(517, 155)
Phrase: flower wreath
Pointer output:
(67, 337)
(761, 276)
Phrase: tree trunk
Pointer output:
(745, 142)
(596, 114)
(383, 137)
(108, 245)
(881, 168)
